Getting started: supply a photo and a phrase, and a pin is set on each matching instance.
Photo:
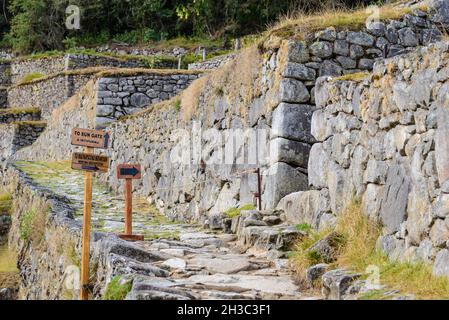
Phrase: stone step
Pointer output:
(19, 114)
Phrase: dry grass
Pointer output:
(357, 77)
(14, 111)
(100, 72)
(236, 82)
(358, 251)
(360, 236)
(301, 26)
(302, 258)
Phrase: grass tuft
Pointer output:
(357, 77)
(302, 26)
(30, 77)
(5, 203)
(117, 290)
(234, 212)
(358, 252)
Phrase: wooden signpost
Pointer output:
(90, 163)
(129, 172)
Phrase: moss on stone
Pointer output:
(30, 77)
(234, 212)
(19, 111)
(116, 289)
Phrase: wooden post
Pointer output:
(259, 188)
(204, 54)
(85, 255)
(128, 207)
(179, 62)
(128, 172)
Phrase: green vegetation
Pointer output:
(39, 25)
(177, 104)
(31, 77)
(357, 251)
(301, 25)
(117, 290)
(234, 212)
(5, 203)
(173, 235)
(304, 227)
(32, 225)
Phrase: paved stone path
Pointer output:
(190, 262)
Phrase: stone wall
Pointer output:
(384, 141)
(36, 94)
(49, 252)
(16, 136)
(78, 111)
(213, 63)
(189, 180)
(5, 73)
(121, 96)
(54, 65)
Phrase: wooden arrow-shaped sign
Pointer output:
(90, 162)
(90, 138)
(129, 171)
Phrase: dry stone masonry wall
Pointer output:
(384, 141)
(36, 94)
(213, 63)
(55, 65)
(121, 96)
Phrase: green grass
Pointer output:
(172, 235)
(177, 104)
(32, 225)
(234, 212)
(30, 78)
(304, 227)
(117, 291)
(5, 203)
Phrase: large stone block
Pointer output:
(318, 167)
(292, 121)
(394, 200)
(441, 265)
(341, 189)
(299, 71)
(293, 91)
(442, 143)
(289, 151)
(321, 127)
(280, 180)
(297, 51)
(305, 207)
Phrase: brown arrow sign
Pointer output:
(90, 162)
(129, 171)
(90, 138)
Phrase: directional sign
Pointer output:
(90, 162)
(129, 171)
(90, 138)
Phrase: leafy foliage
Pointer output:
(39, 25)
